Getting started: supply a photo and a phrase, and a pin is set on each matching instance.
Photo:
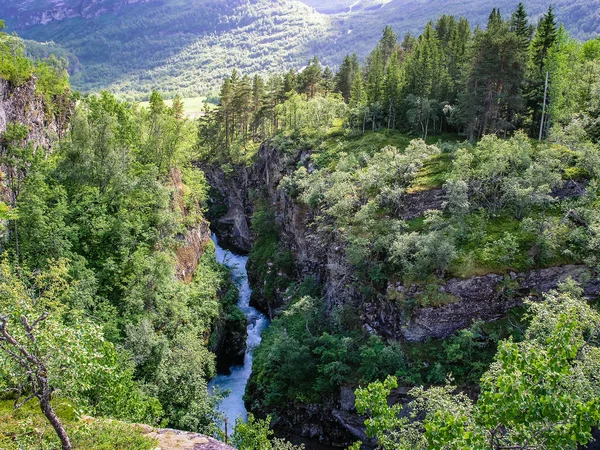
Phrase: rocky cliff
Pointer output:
(29, 13)
(486, 298)
(21, 104)
(322, 256)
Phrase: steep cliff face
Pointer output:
(322, 256)
(486, 298)
(21, 104)
(30, 13)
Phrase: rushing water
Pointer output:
(233, 405)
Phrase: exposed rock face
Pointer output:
(322, 256)
(30, 13)
(168, 439)
(231, 209)
(21, 104)
(484, 298)
(419, 202)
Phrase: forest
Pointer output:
(453, 175)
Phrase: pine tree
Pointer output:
(327, 80)
(426, 71)
(393, 89)
(290, 85)
(375, 76)
(345, 76)
(545, 37)
(226, 109)
(358, 100)
(456, 57)
(310, 78)
(258, 95)
(492, 97)
(408, 43)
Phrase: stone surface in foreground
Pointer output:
(182, 440)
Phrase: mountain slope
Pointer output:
(359, 30)
(133, 46)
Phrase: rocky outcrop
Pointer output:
(230, 208)
(321, 422)
(21, 104)
(28, 14)
(486, 298)
(322, 255)
(417, 203)
(167, 439)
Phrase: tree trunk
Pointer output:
(46, 406)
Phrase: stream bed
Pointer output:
(233, 405)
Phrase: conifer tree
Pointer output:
(393, 89)
(543, 41)
(311, 78)
(327, 80)
(519, 24)
(492, 97)
(426, 71)
(345, 77)
(375, 76)
(178, 107)
(389, 44)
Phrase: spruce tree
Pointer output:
(519, 24)
(388, 44)
(344, 78)
(310, 78)
(544, 40)
(375, 76)
(327, 80)
(393, 87)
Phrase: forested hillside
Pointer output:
(189, 47)
(421, 227)
(402, 211)
(110, 292)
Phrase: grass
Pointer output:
(28, 428)
(472, 261)
(433, 174)
(193, 106)
(370, 143)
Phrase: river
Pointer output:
(233, 405)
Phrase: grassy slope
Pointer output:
(470, 260)
(28, 428)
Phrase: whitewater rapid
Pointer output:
(233, 405)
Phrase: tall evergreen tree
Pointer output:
(543, 41)
(310, 78)
(426, 71)
(389, 44)
(375, 76)
(393, 89)
(345, 76)
(519, 24)
(327, 80)
(493, 93)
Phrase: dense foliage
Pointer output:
(95, 229)
(51, 74)
(133, 47)
(540, 393)
(506, 202)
